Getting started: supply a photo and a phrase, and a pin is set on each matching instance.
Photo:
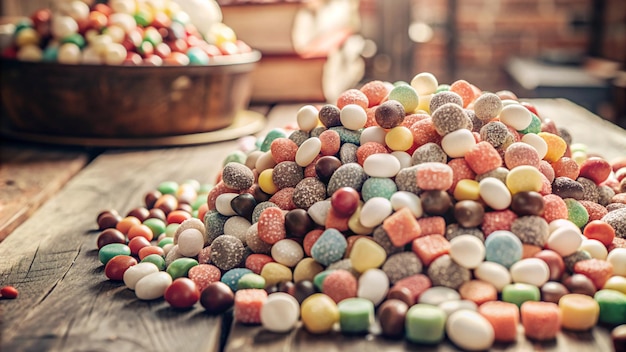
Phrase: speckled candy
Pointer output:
(248, 304)
(503, 247)
(443, 271)
(339, 285)
(227, 252)
(483, 157)
(329, 247)
(541, 320)
(448, 118)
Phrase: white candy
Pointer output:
(438, 294)
(403, 157)
(265, 161)
(375, 211)
(450, 307)
(516, 116)
(564, 241)
(404, 199)
(536, 142)
(153, 286)
(558, 223)
(533, 271)
(319, 211)
(69, 53)
(373, 134)
(373, 285)
(287, 252)
(29, 52)
(222, 204)
(78, 10)
(468, 251)
(190, 242)
(237, 226)
(115, 54)
(90, 56)
(381, 165)
(308, 151)
(617, 257)
(123, 6)
(457, 143)
(469, 330)
(494, 193)
(307, 118)
(424, 83)
(280, 313)
(100, 43)
(494, 273)
(353, 117)
(136, 272)
(116, 32)
(595, 248)
(63, 26)
(124, 20)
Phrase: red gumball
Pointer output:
(117, 266)
(182, 293)
(345, 201)
(595, 169)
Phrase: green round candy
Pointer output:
(355, 315)
(612, 306)
(200, 199)
(318, 280)
(576, 212)
(347, 135)
(232, 277)
(170, 229)
(405, 95)
(425, 323)
(519, 293)
(197, 56)
(50, 53)
(270, 137)
(142, 18)
(534, 127)
(378, 187)
(236, 156)
(111, 250)
(156, 225)
(165, 241)
(168, 187)
(442, 88)
(180, 267)
(22, 24)
(251, 280)
(75, 38)
(155, 259)
(401, 83)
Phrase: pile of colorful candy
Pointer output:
(440, 209)
(120, 32)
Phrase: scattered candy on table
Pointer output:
(471, 220)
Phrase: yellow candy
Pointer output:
(274, 273)
(354, 223)
(266, 183)
(466, 189)
(306, 269)
(617, 283)
(524, 178)
(366, 254)
(27, 36)
(319, 313)
(399, 138)
(578, 311)
(424, 103)
(556, 146)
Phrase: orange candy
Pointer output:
(566, 167)
(483, 157)
(402, 227)
(283, 149)
(599, 230)
(556, 146)
(429, 248)
(465, 90)
(126, 223)
(352, 96)
(478, 291)
(432, 225)
(375, 91)
(541, 320)
(599, 271)
(504, 318)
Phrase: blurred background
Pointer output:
(574, 49)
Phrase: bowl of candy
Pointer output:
(117, 71)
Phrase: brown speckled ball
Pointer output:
(443, 98)
(329, 115)
(591, 191)
(449, 118)
(389, 114)
(487, 106)
(443, 271)
(494, 132)
(237, 176)
(531, 229)
(308, 192)
(406, 180)
(617, 219)
(227, 252)
(287, 174)
(429, 152)
(401, 265)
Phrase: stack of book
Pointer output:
(311, 48)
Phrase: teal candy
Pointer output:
(111, 250)
(425, 323)
(503, 247)
(180, 267)
(519, 293)
(251, 280)
(612, 306)
(168, 187)
(355, 315)
(318, 280)
(405, 95)
(236, 156)
(576, 212)
(197, 56)
(156, 225)
(534, 127)
(231, 277)
(155, 259)
(378, 187)
(270, 137)
(50, 53)
(347, 135)
(329, 247)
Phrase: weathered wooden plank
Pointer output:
(30, 175)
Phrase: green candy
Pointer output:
(251, 280)
(170, 229)
(236, 156)
(442, 88)
(425, 323)
(156, 225)
(612, 306)
(142, 18)
(378, 187)
(347, 136)
(534, 127)
(74, 38)
(180, 267)
(355, 315)
(405, 95)
(205, 188)
(168, 187)
(50, 53)
(155, 259)
(318, 280)
(270, 137)
(576, 212)
(111, 250)
(166, 241)
(519, 293)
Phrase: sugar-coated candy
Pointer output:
(449, 118)
(248, 304)
(478, 291)
(541, 320)
(503, 317)
(518, 293)
(425, 324)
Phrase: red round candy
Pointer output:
(117, 266)
(182, 293)
(595, 169)
(601, 231)
(345, 201)
(146, 251)
(137, 243)
(9, 292)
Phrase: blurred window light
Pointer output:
(420, 32)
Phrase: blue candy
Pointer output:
(503, 247)
(330, 247)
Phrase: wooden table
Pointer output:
(50, 197)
